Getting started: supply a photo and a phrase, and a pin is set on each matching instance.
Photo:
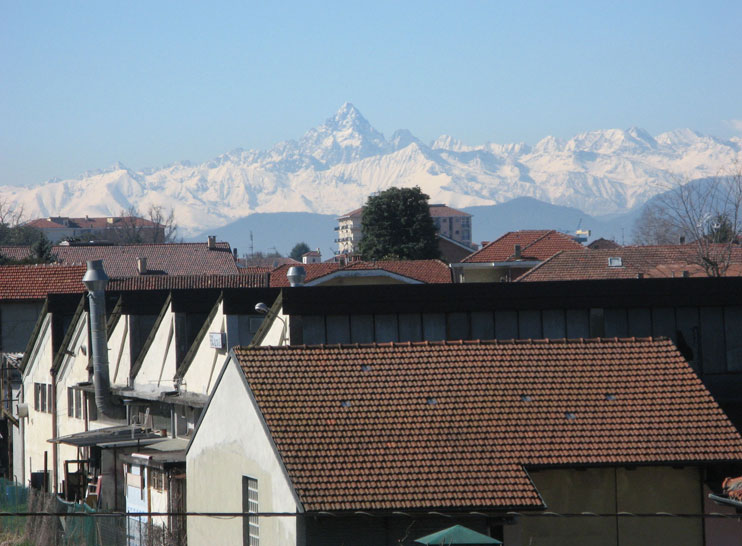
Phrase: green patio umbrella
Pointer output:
(458, 534)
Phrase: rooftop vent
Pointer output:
(570, 415)
(610, 396)
(345, 403)
(365, 367)
(431, 401)
(517, 252)
(615, 262)
(525, 398)
(296, 275)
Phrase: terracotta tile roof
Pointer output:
(649, 261)
(187, 282)
(34, 282)
(121, 260)
(455, 424)
(535, 245)
(15, 252)
(426, 271)
(279, 279)
(444, 210)
(351, 214)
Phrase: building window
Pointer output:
(74, 403)
(157, 479)
(42, 397)
(250, 524)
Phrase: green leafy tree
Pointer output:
(298, 250)
(396, 224)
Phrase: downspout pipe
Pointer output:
(95, 280)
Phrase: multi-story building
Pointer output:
(450, 223)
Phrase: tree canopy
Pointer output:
(396, 224)
(298, 250)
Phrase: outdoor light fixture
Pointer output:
(261, 308)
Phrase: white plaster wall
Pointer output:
(230, 443)
(119, 352)
(157, 372)
(207, 362)
(38, 425)
(278, 334)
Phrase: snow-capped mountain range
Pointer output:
(334, 167)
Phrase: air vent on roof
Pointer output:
(365, 367)
(610, 396)
(569, 415)
(431, 401)
(615, 262)
(345, 403)
(525, 398)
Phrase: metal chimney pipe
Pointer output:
(95, 280)
(296, 275)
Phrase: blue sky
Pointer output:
(86, 84)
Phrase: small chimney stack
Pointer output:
(517, 252)
(211, 242)
(142, 265)
(686, 274)
(682, 239)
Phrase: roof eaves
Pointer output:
(193, 349)
(62, 351)
(265, 326)
(114, 318)
(151, 337)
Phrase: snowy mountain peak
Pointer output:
(345, 159)
(345, 137)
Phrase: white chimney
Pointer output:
(142, 265)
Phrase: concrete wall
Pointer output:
(119, 352)
(157, 372)
(38, 425)
(208, 361)
(613, 490)
(224, 450)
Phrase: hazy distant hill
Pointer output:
(283, 230)
(335, 166)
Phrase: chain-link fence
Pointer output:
(46, 520)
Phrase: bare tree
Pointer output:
(158, 226)
(708, 213)
(656, 227)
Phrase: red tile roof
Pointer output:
(425, 271)
(188, 282)
(455, 424)
(445, 211)
(351, 214)
(279, 279)
(34, 282)
(167, 258)
(15, 252)
(535, 245)
(649, 261)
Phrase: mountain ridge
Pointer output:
(333, 167)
